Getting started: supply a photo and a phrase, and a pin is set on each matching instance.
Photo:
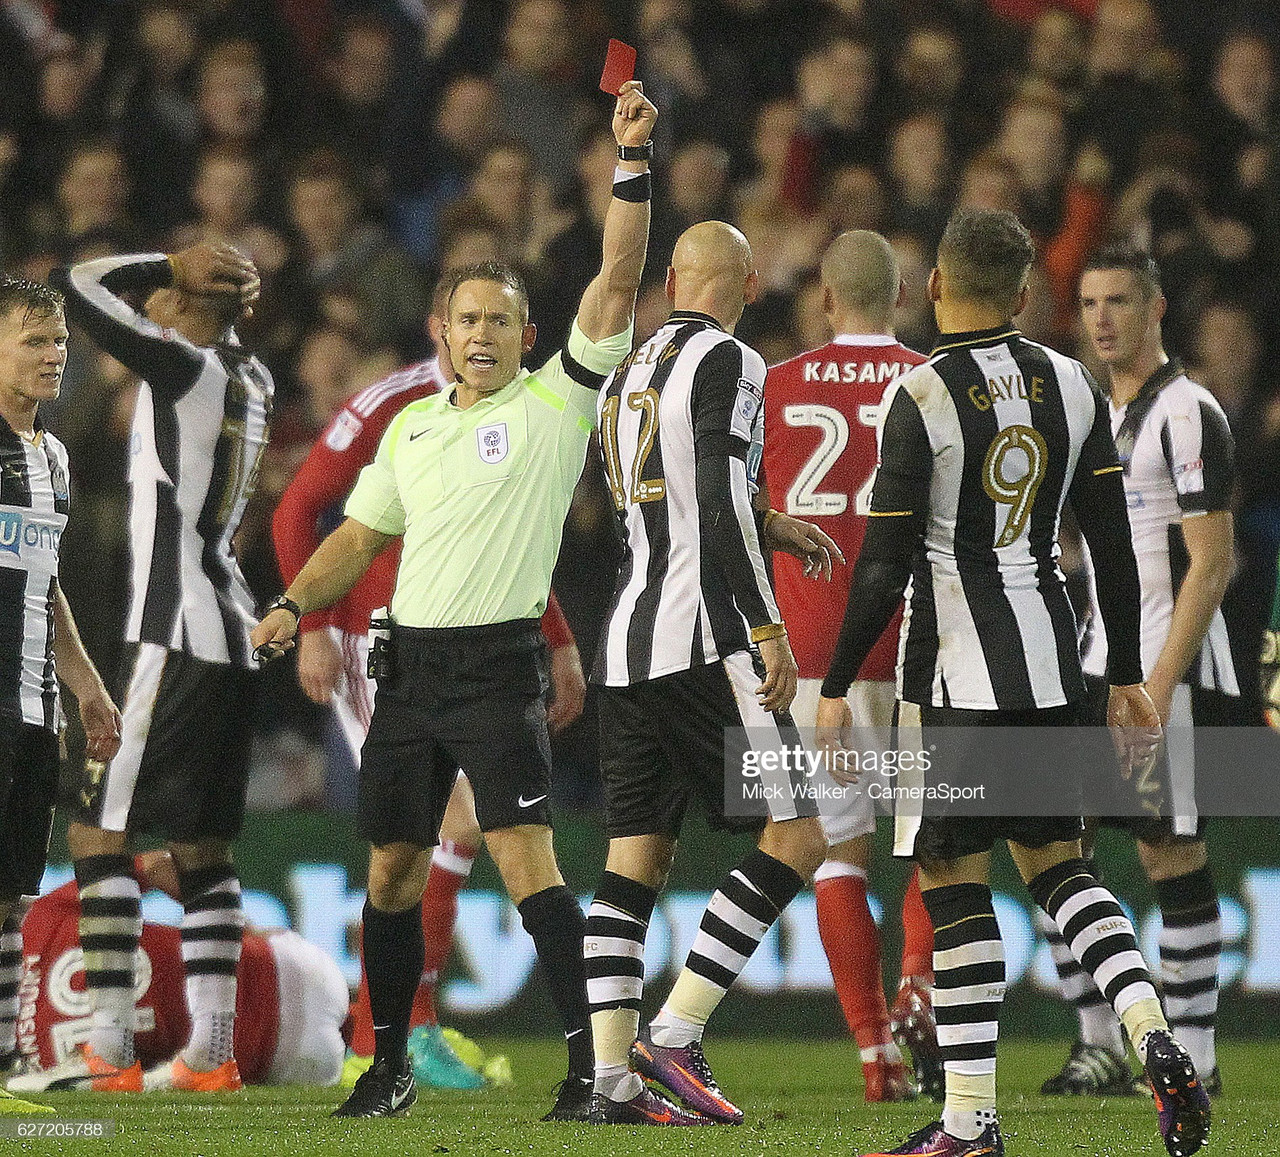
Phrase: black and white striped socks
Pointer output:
(613, 948)
(742, 909)
(212, 923)
(10, 979)
(1101, 938)
(110, 929)
(969, 984)
(1098, 1023)
(1190, 945)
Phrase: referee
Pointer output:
(980, 449)
(38, 638)
(477, 480)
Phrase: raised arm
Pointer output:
(609, 301)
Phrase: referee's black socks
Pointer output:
(393, 962)
(556, 923)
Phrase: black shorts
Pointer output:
(469, 698)
(948, 837)
(1158, 831)
(28, 792)
(183, 762)
(664, 740)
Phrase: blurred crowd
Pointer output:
(357, 148)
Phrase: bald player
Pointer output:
(694, 644)
(821, 410)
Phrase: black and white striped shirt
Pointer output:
(199, 430)
(34, 501)
(980, 447)
(677, 421)
(1179, 462)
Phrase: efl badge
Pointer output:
(491, 442)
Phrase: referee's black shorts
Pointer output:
(461, 698)
(941, 836)
(28, 790)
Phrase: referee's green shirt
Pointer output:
(480, 495)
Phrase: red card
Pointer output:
(619, 67)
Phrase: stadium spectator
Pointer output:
(353, 112)
(342, 246)
(1033, 138)
(540, 86)
(93, 199)
(426, 181)
(920, 164)
(463, 684)
(226, 194)
(43, 643)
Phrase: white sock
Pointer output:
(668, 1031)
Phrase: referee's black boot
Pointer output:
(573, 1100)
(381, 1091)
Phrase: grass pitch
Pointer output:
(800, 1097)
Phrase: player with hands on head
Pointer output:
(198, 433)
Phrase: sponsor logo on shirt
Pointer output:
(343, 431)
(491, 443)
(18, 533)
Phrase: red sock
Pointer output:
(450, 867)
(853, 951)
(917, 932)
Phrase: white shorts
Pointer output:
(353, 697)
(872, 706)
(314, 1002)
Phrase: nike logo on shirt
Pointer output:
(530, 802)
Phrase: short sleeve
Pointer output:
(1200, 452)
(598, 357)
(375, 500)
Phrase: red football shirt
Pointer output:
(820, 415)
(54, 1012)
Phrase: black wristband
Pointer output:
(636, 188)
(642, 152)
(283, 603)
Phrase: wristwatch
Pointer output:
(284, 603)
(642, 152)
